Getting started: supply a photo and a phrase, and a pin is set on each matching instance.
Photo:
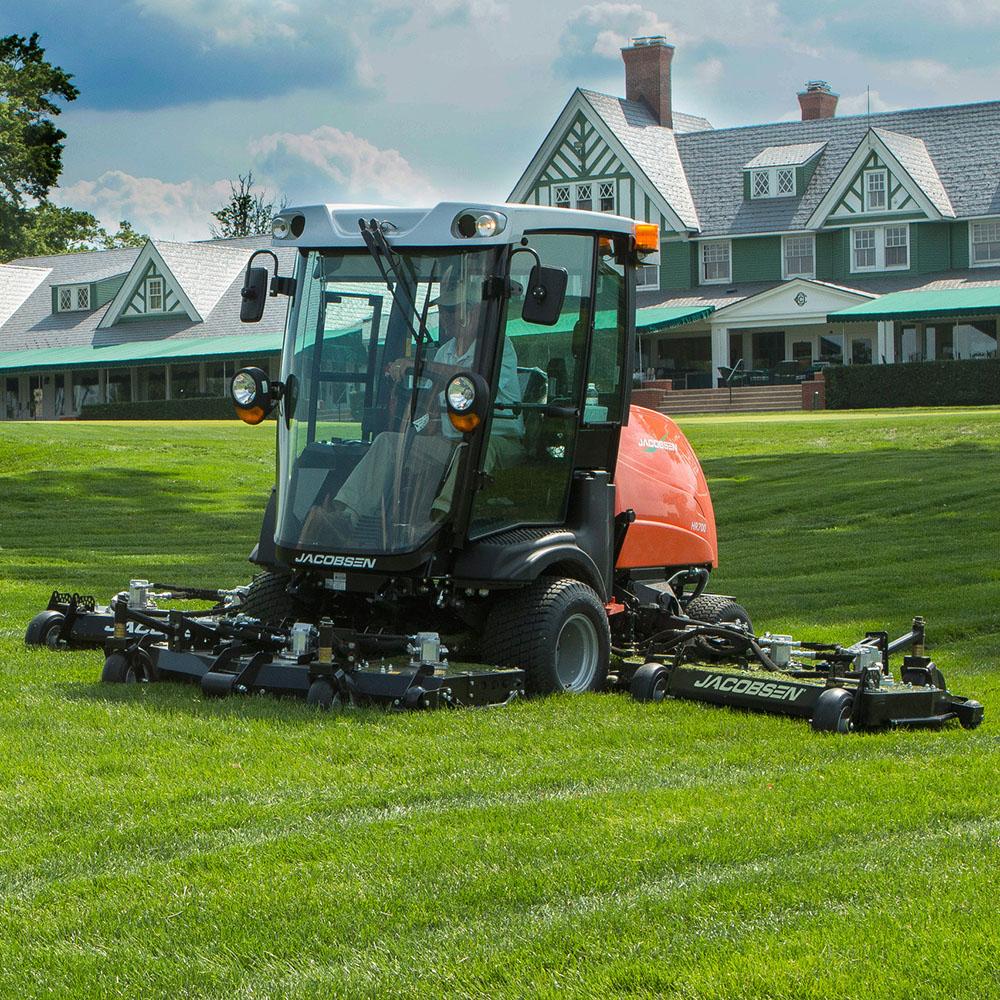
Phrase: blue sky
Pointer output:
(399, 102)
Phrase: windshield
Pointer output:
(369, 458)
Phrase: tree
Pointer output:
(247, 213)
(30, 144)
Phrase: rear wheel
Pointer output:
(44, 628)
(833, 711)
(716, 610)
(268, 599)
(556, 630)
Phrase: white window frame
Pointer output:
(602, 186)
(778, 171)
(653, 261)
(568, 188)
(772, 182)
(163, 293)
(74, 296)
(785, 272)
(880, 235)
(866, 191)
(706, 245)
(595, 193)
(991, 261)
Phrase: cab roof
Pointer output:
(337, 225)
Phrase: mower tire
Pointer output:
(713, 609)
(833, 711)
(322, 694)
(556, 631)
(120, 669)
(649, 682)
(268, 599)
(44, 628)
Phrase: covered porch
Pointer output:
(55, 383)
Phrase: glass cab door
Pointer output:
(527, 462)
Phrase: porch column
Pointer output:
(133, 377)
(202, 379)
(167, 394)
(720, 351)
(886, 342)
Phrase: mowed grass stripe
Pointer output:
(153, 843)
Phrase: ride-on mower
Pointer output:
(460, 473)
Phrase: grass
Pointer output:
(154, 844)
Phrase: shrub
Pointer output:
(194, 408)
(925, 383)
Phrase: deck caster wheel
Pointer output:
(44, 629)
(322, 694)
(121, 669)
(833, 711)
(414, 700)
(649, 682)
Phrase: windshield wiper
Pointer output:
(379, 248)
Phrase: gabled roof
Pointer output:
(34, 325)
(960, 140)
(911, 154)
(631, 131)
(652, 147)
(16, 284)
(786, 156)
(199, 274)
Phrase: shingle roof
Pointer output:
(653, 148)
(203, 270)
(786, 156)
(16, 284)
(206, 268)
(962, 142)
(916, 161)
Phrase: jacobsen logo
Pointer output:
(344, 562)
(741, 685)
(651, 444)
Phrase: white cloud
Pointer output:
(234, 22)
(335, 165)
(859, 104)
(164, 210)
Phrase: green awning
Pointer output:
(662, 317)
(646, 320)
(137, 352)
(982, 300)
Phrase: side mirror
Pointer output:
(545, 296)
(253, 293)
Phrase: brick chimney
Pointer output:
(647, 75)
(818, 100)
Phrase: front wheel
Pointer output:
(556, 630)
(44, 629)
(833, 711)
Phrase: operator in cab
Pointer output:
(429, 438)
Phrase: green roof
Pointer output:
(136, 352)
(982, 300)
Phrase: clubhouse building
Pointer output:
(784, 248)
(790, 246)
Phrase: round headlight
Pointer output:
(486, 225)
(279, 228)
(244, 389)
(461, 394)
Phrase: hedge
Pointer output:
(194, 408)
(922, 383)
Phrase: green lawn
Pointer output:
(154, 844)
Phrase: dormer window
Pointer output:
(875, 190)
(772, 182)
(154, 295)
(73, 298)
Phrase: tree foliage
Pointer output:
(31, 149)
(247, 213)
